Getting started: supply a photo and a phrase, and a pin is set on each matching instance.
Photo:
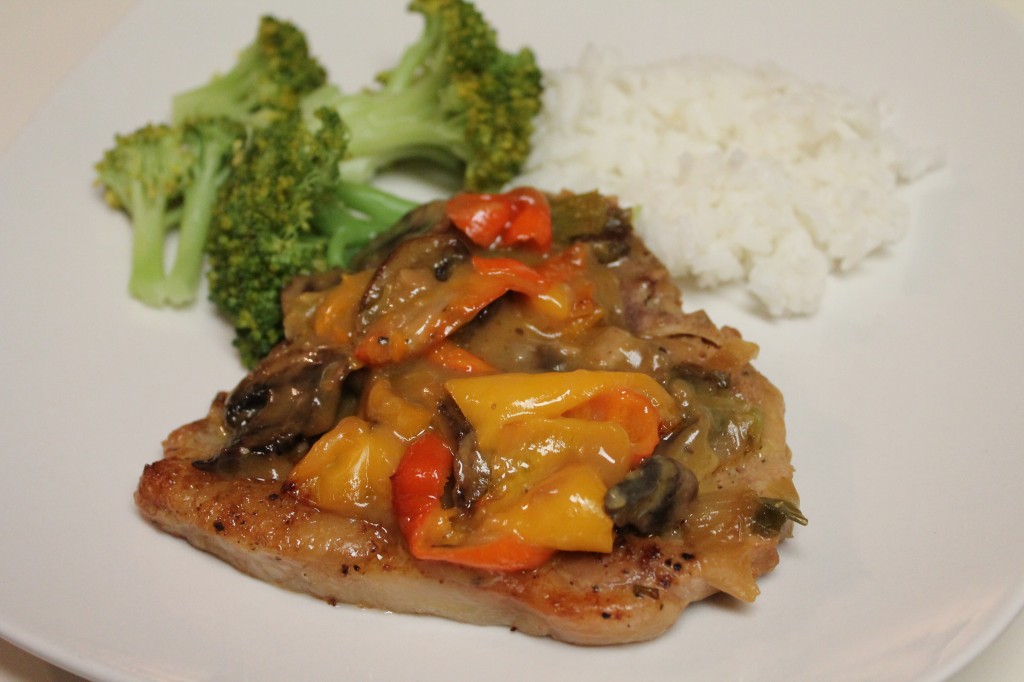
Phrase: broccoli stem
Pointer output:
(230, 94)
(197, 210)
(379, 205)
(352, 233)
(387, 125)
(147, 281)
(354, 215)
(413, 59)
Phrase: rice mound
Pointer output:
(735, 174)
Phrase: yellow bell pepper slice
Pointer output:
(334, 318)
(533, 449)
(565, 512)
(349, 469)
(385, 406)
(491, 401)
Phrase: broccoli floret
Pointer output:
(284, 212)
(454, 98)
(270, 75)
(166, 177)
(143, 174)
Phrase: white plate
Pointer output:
(903, 393)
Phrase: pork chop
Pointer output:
(226, 482)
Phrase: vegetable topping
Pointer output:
(426, 396)
(494, 220)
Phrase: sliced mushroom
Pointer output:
(290, 398)
(652, 498)
(472, 473)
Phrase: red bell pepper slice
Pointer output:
(531, 224)
(417, 488)
(520, 216)
(481, 217)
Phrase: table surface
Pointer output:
(31, 69)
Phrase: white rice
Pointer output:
(735, 174)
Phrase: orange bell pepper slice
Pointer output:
(417, 488)
(632, 410)
(509, 274)
(458, 359)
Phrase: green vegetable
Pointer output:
(455, 98)
(265, 169)
(167, 177)
(285, 211)
(773, 514)
(212, 142)
(269, 76)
